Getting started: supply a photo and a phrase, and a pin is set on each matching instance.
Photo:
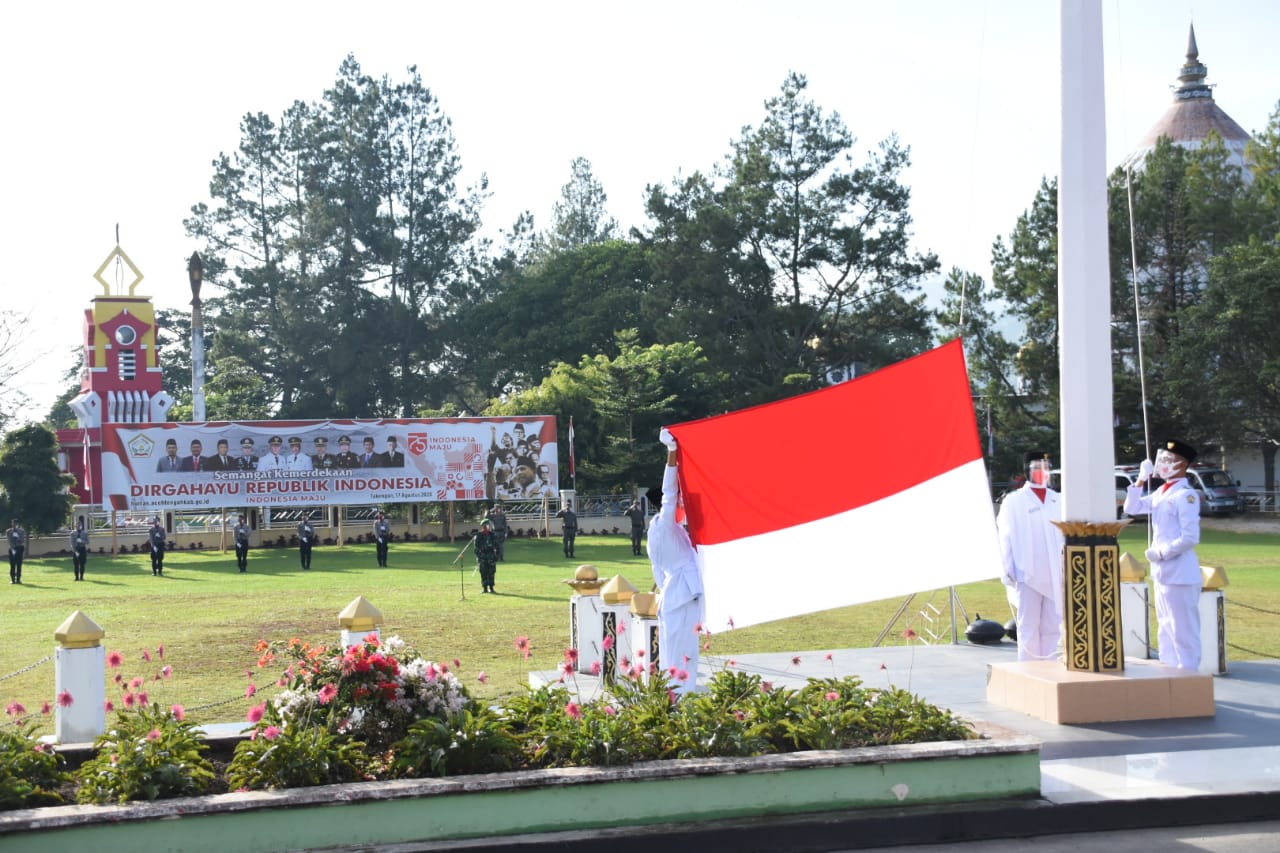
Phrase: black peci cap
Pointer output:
(1184, 450)
(1032, 455)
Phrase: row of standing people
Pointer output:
(275, 458)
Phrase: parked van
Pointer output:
(1219, 494)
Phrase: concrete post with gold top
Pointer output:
(644, 645)
(615, 613)
(1213, 621)
(586, 632)
(1135, 607)
(358, 620)
(80, 680)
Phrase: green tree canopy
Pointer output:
(34, 488)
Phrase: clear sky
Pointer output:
(117, 109)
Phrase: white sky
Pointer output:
(117, 109)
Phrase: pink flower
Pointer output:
(730, 622)
(682, 675)
(179, 712)
(166, 671)
(119, 679)
(639, 653)
(571, 655)
(739, 716)
(607, 644)
(115, 660)
(271, 732)
(15, 709)
(622, 626)
(795, 661)
(832, 696)
(687, 659)
(595, 667)
(160, 651)
(146, 656)
(883, 667)
(64, 699)
(46, 708)
(327, 693)
(483, 677)
(142, 699)
(625, 663)
(129, 700)
(567, 668)
(909, 634)
(732, 662)
(109, 706)
(671, 696)
(828, 655)
(136, 683)
(697, 629)
(522, 645)
(153, 735)
(256, 712)
(457, 664)
(249, 691)
(610, 710)
(766, 686)
(573, 710)
(372, 639)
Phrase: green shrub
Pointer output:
(149, 754)
(299, 755)
(30, 771)
(467, 742)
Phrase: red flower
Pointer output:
(115, 660)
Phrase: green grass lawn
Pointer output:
(209, 617)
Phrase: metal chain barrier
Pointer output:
(42, 660)
(1251, 607)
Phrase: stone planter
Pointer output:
(1000, 765)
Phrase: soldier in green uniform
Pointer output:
(486, 545)
(498, 516)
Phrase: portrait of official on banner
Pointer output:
(280, 463)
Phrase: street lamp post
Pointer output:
(195, 273)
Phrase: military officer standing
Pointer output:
(158, 542)
(568, 528)
(635, 512)
(79, 548)
(306, 538)
(498, 516)
(486, 545)
(382, 537)
(241, 533)
(1174, 509)
(17, 549)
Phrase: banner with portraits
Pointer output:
(192, 466)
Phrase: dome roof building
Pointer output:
(1191, 117)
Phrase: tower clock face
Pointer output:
(126, 335)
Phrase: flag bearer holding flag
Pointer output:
(679, 579)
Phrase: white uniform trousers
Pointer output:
(679, 644)
(1178, 624)
(1039, 625)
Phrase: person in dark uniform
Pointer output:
(241, 533)
(194, 462)
(394, 457)
(306, 538)
(322, 459)
(79, 548)
(158, 542)
(222, 460)
(498, 516)
(369, 459)
(17, 549)
(486, 545)
(382, 536)
(345, 459)
(635, 512)
(247, 461)
(170, 461)
(569, 528)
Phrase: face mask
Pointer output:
(1166, 466)
(1038, 473)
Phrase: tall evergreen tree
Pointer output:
(35, 490)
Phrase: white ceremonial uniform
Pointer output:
(271, 461)
(1031, 552)
(678, 575)
(298, 462)
(1175, 531)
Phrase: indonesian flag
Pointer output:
(865, 490)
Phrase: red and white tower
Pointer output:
(121, 378)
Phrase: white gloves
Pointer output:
(1152, 555)
(1145, 470)
(665, 436)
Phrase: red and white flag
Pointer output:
(865, 490)
(87, 459)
